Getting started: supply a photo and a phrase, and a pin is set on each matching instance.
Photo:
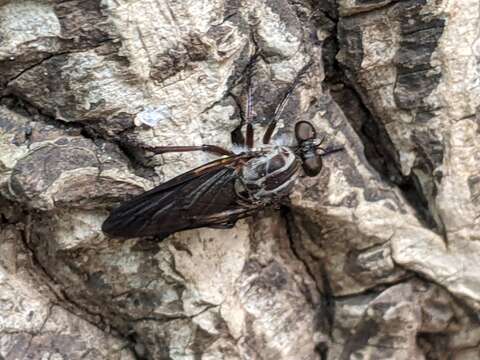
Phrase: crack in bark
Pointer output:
(63, 300)
(236, 81)
(376, 290)
(52, 284)
(40, 274)
(32, 333)
(380, 151)
(49, 313)
(50, 56)
(373, 9)
(325, 290)
(376, 346)
(87, 131)
(167, 318)
(28, 68)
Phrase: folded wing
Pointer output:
(201, 197)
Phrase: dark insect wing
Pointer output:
(201, 197)
(208, 196)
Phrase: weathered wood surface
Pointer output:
(377, 258)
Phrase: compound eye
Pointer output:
(312, 165)
(304, 131)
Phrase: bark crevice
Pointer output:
(379, 149)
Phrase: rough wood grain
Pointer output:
(376, 258)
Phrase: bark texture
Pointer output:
(376, 258)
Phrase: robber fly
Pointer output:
(225, 190)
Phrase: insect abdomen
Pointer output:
(270, 176)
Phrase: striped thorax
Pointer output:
(269, 177)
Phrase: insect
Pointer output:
(225, 190)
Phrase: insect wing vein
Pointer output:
(187, 201)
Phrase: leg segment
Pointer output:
(249, 115)
(278, 111)
(226, 217)
(217, 150)
(331, 151)
(237, 136)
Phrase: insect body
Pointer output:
(219, 193)
(269, 177)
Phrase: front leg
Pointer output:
(250, 131)
(247, 113)
(213, 149)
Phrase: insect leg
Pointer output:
(278, 111)
(249, 106)
(237, 137)
(214, 149)
(249, 116)
(227, 216)
(226, 225)
(328, 151)
(331, 151)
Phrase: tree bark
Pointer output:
(378, 257)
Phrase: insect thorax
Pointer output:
(269, 177)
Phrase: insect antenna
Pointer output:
(327, 151)
(330, 151)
